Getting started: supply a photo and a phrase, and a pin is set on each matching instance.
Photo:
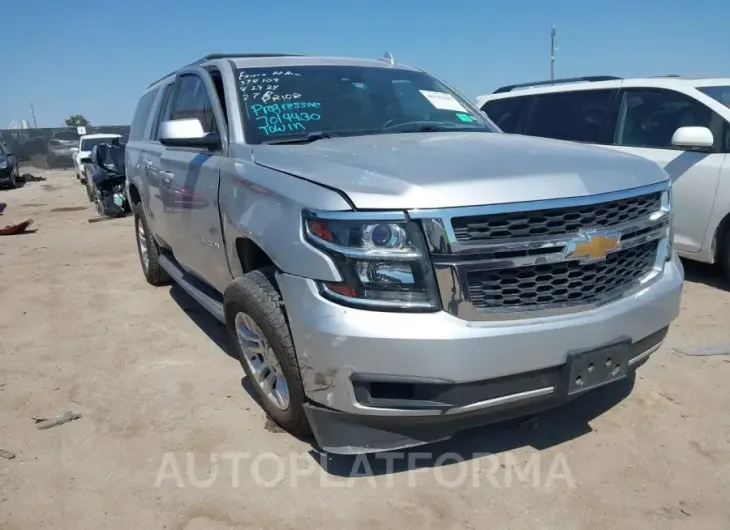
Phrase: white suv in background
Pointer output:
(86, 144)
(682, 124)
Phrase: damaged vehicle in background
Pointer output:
(105, 178)
(391, 268)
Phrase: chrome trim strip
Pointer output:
(547, 258)
(479, 405)
(441, 238)
(587, 200)
(644, 355)
(451, 281)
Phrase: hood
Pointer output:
(451, 169)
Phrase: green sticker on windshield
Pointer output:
(464, 117)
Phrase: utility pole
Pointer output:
(552, 53)
(32, 113)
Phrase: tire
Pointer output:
(89, 192)
(255, 294)
(14, 176)
(724, 253)
(153, 272)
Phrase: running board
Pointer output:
(213, 306)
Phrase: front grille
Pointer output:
(565, 283)
(553, 221)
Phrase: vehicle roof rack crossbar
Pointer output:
(213, 56)
(589, 78)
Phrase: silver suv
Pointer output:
(391, 268)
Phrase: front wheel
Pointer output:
(260, 334)
(14, 177)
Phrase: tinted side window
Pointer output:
(649, 118)
(506, 113)
(576, 116)
(141, 115)
(193, 101)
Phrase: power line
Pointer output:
(32, 113)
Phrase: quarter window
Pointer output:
(141, 115)
(578, 116)
(649, 118)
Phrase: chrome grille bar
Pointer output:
(458, 263)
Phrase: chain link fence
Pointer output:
(51, 148)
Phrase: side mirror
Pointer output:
(697, 137)
(187, 133)
(85, 160)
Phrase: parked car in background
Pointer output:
(390, 267)
(682, 124)
(85, 145)
(9, 167)
(61, 147)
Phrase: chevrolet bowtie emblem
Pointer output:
(593, 245)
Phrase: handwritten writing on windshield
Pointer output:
(264, 86)
(285, 117)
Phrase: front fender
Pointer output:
(265, 206)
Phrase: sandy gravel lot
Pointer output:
(165, 415)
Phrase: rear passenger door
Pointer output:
(577, 116)
(142, 157)
(647, 120)
(510, 114)
(189, 180)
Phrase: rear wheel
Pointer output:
(149, 251)
(260, 334)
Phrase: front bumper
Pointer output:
(339, 348)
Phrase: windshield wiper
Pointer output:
(311, 137)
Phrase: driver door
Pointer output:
(189, 181)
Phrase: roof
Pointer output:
(315, 61)
(601, 82)
(263, 60)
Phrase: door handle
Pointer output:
(166, 178)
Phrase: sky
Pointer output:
(96, 57)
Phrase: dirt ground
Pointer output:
(166, 415)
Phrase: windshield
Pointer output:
(88, 144)
(720, 93)
(279, 103)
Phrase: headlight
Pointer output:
(3, 165)
(382, 259)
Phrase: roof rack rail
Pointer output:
(213, 56)
(589, 78)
